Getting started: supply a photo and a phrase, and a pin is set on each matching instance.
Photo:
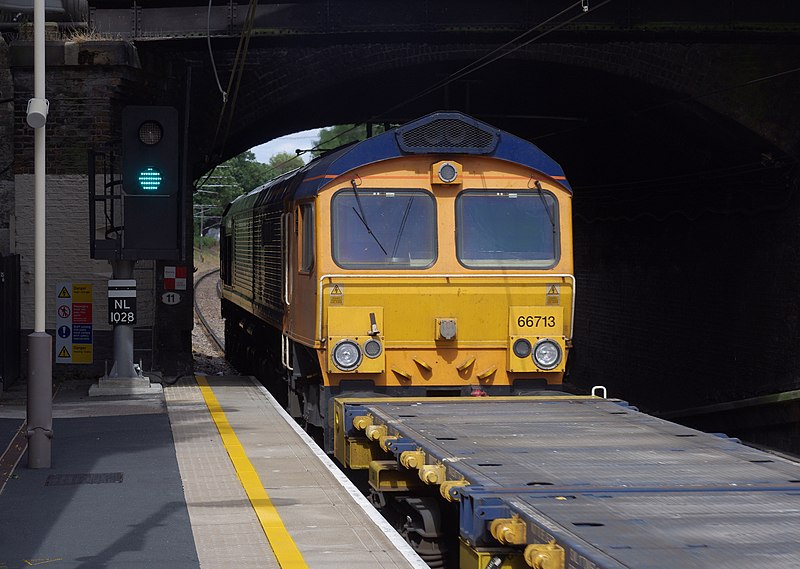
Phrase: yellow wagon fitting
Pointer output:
(480, 558)
(387, 476)
(545, 556)
(385, 440)
(509, 531)
(447, 489)
(375, 432)
(412, 458)
(362, 422)
(432, 473)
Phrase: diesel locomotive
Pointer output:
(434, 259)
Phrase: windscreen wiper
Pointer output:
(546, 207)
(402, 227)
(363, 217)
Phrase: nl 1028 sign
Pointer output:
(122, 301)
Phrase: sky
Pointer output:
(289, 143)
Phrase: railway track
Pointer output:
(205, 291)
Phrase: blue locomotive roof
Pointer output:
(436, 133)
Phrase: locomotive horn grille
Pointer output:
(447, 132)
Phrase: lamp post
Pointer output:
(40, 351)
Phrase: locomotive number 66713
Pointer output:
(434, 259)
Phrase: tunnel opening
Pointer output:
(686, 241)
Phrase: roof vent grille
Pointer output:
(448, 133)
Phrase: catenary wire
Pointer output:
(481, 62)
(211, 55)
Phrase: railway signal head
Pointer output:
(153, 210)
(150, 151)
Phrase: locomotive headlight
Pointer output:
(346, 355)
(447, 172)
(372, 348)
(522, 348)
(546, 354)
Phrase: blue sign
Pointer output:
(81, 333)
(63, 331)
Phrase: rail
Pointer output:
(201, 317)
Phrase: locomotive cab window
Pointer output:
(383, 228)
(500, 229)
(306, 238)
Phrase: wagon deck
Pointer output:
(600, 482)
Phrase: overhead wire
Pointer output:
(611, 118)
(470, 68)
(247, 35)
(233, 82)
(510, 47)
(211, 55)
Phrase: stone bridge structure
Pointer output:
(677, 125)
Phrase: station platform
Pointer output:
(211, 474)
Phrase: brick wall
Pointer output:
(694, 303)
(6, 149)
(88, 84)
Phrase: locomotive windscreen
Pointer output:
(394, 228)
(506, 229)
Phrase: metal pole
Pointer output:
(40, 351)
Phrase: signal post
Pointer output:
(151, 228)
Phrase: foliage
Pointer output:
(283, 162)
(247, 171)
(222, 185)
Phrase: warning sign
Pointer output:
(81, 353)
(82, 293)
(553, 296)
(337, 294)
(73, 342)
(82, 313)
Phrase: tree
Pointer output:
(283, 162)
(223, 184)
(233, 178)
(247, 171)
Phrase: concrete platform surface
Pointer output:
(113, 496)
(147, 481)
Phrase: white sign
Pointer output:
(171, 298)
(122, 301)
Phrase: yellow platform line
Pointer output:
(284, 547)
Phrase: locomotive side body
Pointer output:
(386, 268)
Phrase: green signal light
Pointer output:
(150, 179)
